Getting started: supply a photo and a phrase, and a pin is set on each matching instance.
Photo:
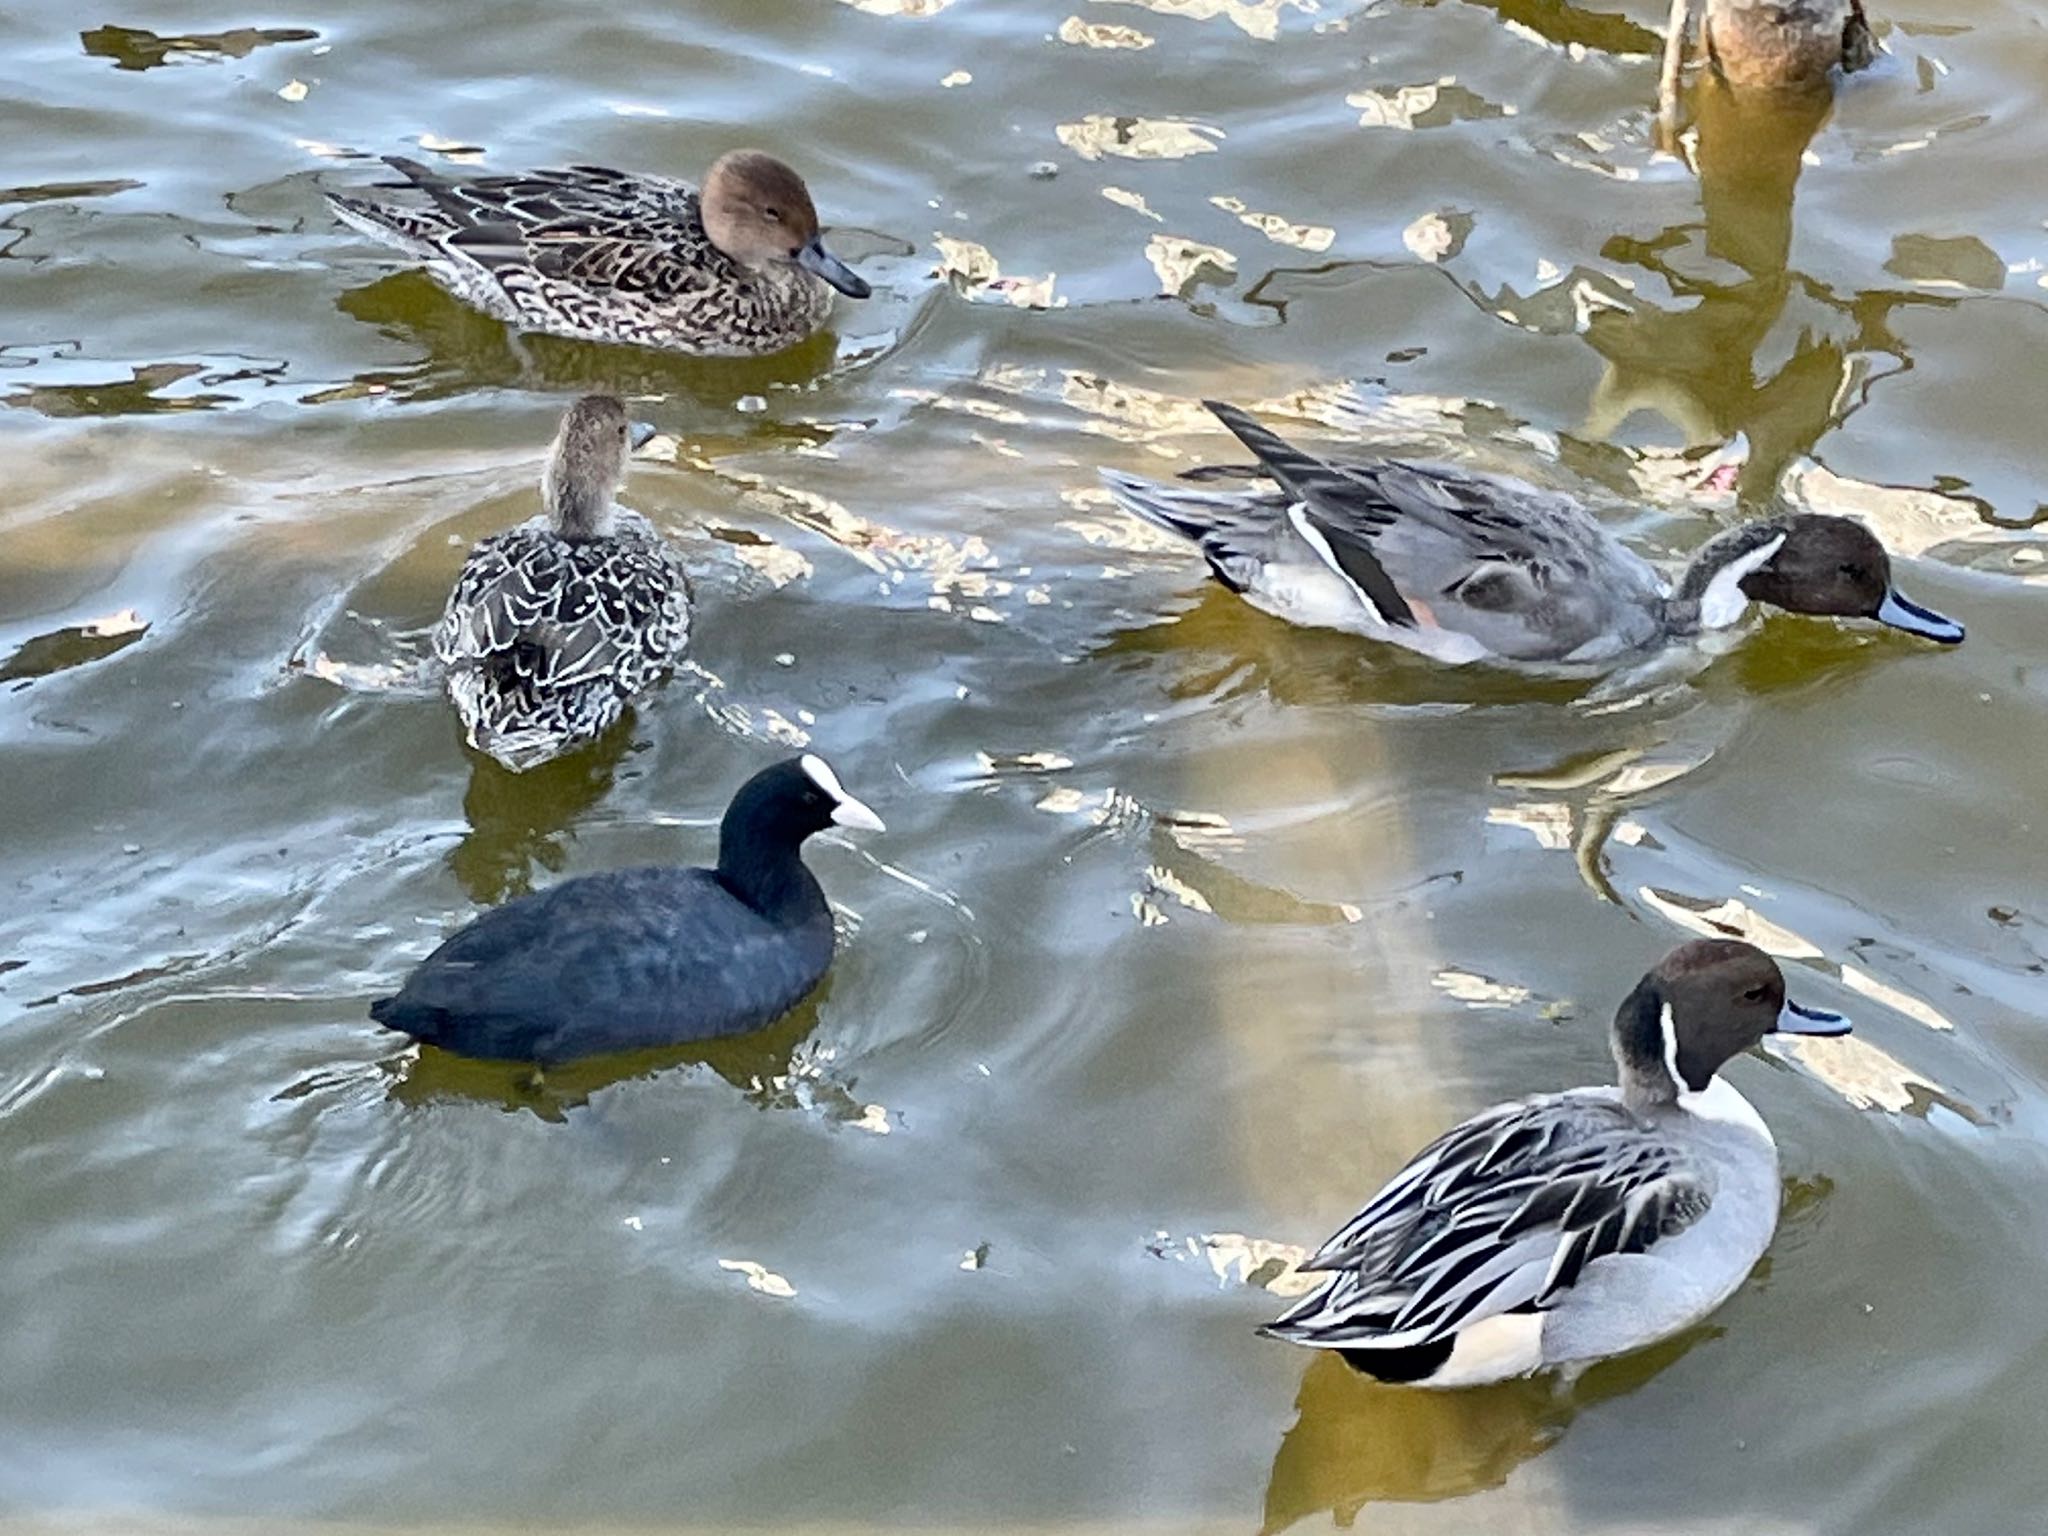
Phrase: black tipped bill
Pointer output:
(1903, 613)
(815, 259)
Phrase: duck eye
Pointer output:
(1756, 994)
(772, 215)
(1852, 572)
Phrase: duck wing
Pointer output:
(1501, 1214)
(1527, 574)
(546, 640)
(585, 225)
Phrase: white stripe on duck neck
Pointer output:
(1724, 600)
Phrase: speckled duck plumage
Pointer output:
(609, 256)
(556, 625)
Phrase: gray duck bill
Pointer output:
(1793, 1019)
(1903, 613)
(815, 259)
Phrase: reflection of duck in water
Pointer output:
(601, 255)
(1465, 567)
(1561, 1230)
(554, 627)
(517, 820)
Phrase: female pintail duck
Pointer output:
(1463, 566)
(555, 625)
(600, 255)
(1753, 43)
(636, 959)
(1560, 1230)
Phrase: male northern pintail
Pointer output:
(1563, 1229)
(1463, 566)
(635, 959)
(1786, 42)
(602, 255)
(555, 625)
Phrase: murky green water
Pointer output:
(1188, 926)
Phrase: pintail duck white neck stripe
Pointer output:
(1724, 600)
(1669, 1027)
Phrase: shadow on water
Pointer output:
(763, 1066)
(467, 350)
(1356, 1442)
(518, 821)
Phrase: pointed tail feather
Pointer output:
(1300, 473)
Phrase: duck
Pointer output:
(1557, 1231)
(592, 254)
(639, 959)
(1786, 43)
(1462, 566)
(555, 626)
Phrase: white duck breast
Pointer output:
(1564, 1229)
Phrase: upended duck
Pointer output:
(1560, 1230)
(602, 255)
(555, 626)
(636, 959)
(1463, 566)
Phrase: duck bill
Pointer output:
(641, 433)
(819, 262)
(1793, 1019)
(1903, 613)
(849, 812)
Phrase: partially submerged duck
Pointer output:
(1560, 1230)
(555, 626)
(609, 256)
(1464, 567)
(637, 959)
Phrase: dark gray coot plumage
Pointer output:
(641, 958)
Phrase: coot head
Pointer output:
(782, 805)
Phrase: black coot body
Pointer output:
(641, 958)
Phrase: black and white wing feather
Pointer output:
(1502, 1214)
(547, 640)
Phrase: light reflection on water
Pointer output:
(1189, 926)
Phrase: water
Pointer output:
(1188, 926)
